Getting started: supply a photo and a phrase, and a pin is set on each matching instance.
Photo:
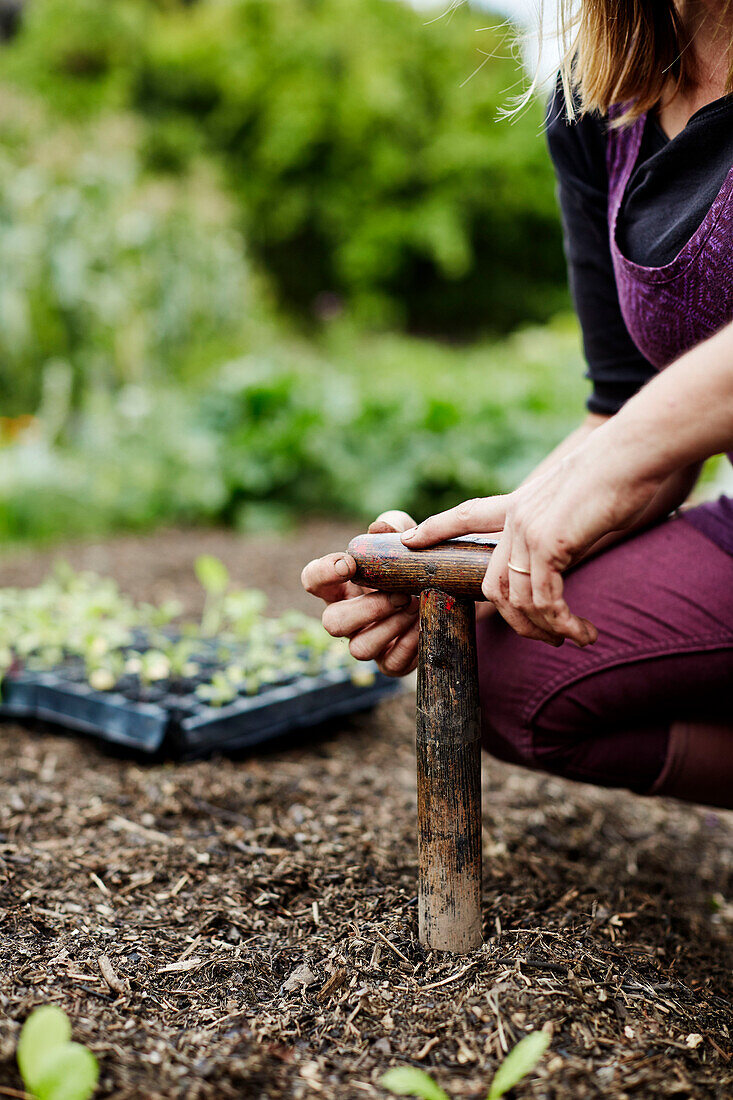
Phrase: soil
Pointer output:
(246, 927)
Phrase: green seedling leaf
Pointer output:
(71, 1073)
(520, 1061)
(52, 1067)
(212, 574)
(46, 1029)
(407, 1081)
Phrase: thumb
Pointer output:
(393, 520)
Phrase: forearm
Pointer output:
(680, 418)
(575, 439)
(672, 492)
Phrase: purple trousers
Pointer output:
(648, 706)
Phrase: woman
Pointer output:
(641, 134)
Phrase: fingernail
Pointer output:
(342, 567)
(409, 534)
(399, 599)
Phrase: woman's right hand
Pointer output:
(381, 627)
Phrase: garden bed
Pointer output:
(258, 913)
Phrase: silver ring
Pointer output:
(516, 569)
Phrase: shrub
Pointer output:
(370, 169)
(367, 167)
(390, 422)
(125, 278)
(77, 53)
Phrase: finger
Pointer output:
(400, 657)
(393, 520)
(547, 588)
(348, 617)
(483, 514)
(369, 643)
(521, 586)
(326, 577)
(496, 589)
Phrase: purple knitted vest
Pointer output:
(669, 309)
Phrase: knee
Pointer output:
(507, 682)
(527, 710)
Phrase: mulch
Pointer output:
(247, 927)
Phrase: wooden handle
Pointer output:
(457, 566)
(448, 775)
(448, 579)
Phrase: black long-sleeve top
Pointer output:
(670, 191)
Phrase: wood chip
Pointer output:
(332, 983)
(115, 983)
(392, 947)
(181, 966)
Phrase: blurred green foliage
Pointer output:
(155, 157)
(368, 162)
(121, 276)
(352, 427)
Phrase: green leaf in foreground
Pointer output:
(47, 1028)
(520, 1061)
(70, 1073)
(407, 1081)
(52, 1067)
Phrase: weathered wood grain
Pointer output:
(448, 774)
(457, 566)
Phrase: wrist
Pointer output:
(629, 453)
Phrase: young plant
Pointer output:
(521, 1060)
(179, 655)
(52, 1067)
(242, 610)
(72, 617)
(218, 692)
(214, 579)
(151, 666)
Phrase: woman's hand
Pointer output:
(380, 627)
(548, 524)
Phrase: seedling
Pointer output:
(242, 611)
(214, 579)
(179, 654)
(219, 692)
(521, 1060)
(51, 1065)
(79, 620)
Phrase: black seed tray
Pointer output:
(183, 725)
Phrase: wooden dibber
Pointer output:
(448, 580)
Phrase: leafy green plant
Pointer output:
(410, 1081)
(51, 1065)
(114, 279)
(370, 166)
(220, 691)
(349, 427)
(521, 1060)
(368, 162)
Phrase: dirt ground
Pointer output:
(247, 927)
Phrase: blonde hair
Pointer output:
(623, 52)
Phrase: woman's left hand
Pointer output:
(547, 525)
